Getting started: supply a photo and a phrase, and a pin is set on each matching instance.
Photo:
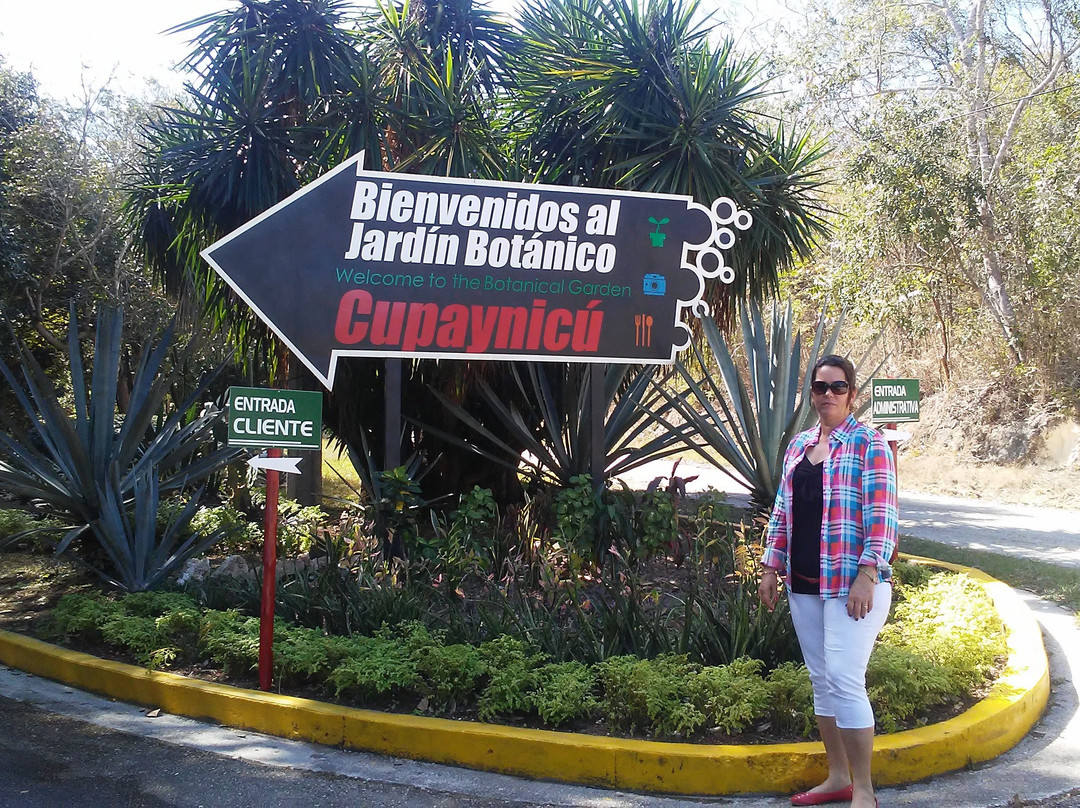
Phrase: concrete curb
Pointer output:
(985, 731)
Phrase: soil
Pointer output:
(31, 585)
(989, 442)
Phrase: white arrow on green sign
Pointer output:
(283, 419)
(894, 401)
(286, 465)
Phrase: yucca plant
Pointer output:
(89, 465)
(551, 422)
(748, 426)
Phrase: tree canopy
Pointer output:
(952, 123)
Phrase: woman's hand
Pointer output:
(860, 600)
(768, 589)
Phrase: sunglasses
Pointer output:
(838, 388)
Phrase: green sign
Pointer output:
(282, 419)
(894, 401)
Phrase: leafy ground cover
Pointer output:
(921, 672)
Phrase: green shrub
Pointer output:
(564, 692)
(464, 540)
(649, 695)
(375, 667)
(14, 521)
(169, 509)
(307, 654)
(714, 509)
(242, 536)
(951, 622)
(512, 677)
(449, 674)
(156, 627)
(575, 514)
(231, 640)
(659, 522)
(82, 615)
(182, 630)
(298, 527)
(791, 707)
(732, 696)
(132, 633)
(902, 684)
(446, 674)
(477, 515)
(157, 603)
(910, 575)
(946, 638)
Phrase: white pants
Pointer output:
(836, 649)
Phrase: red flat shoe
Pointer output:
(821, 797)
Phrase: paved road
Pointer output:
(1044, 534)
(52, 761)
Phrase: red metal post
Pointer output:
(269, 577)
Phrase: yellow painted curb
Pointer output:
(989, 728)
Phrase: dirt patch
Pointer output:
(31, 585)
(950, 475)
(990, 424)
(988, 442)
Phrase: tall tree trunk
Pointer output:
(996, 293)
(986, 157)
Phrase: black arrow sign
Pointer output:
(367, 263)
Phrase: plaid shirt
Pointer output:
(859, 513)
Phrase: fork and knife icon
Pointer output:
(643, 324)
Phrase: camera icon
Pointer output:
(654, 284)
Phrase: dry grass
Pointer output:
(340, 480)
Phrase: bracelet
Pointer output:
(770, 569)
(867, 574)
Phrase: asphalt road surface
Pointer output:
(53, 761)
(1043, 534)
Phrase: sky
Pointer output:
(66, 42)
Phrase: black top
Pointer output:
(807, 504)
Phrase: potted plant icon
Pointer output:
(656, 236)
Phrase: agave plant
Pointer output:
(554, 425)
(748, 427)
(126, 530)
(89, 465)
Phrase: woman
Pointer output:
(831, 535)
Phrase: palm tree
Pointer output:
(280, 92)
(631, 94)
(605, 93)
